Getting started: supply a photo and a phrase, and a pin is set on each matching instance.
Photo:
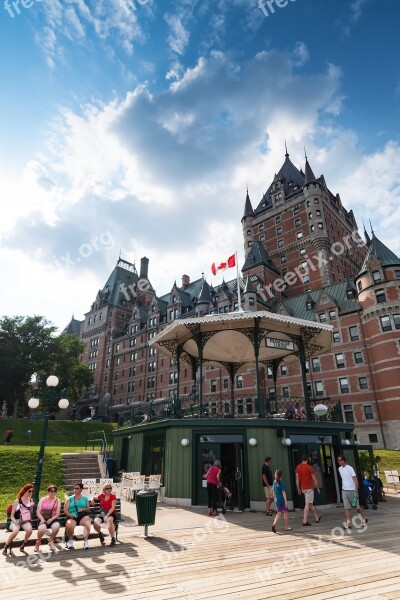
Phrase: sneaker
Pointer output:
(52, 546)
(273, 529)
(70, 545)
(37, 547)
(86, 545)
(101, 537)
(113, 541)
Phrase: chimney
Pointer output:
(185, 281)
(144, 268)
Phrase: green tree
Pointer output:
(26, 347)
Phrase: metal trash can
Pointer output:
(146, 506)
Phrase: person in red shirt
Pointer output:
(108, 503)
(305, 483)
(213, 477)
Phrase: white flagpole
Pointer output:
(239, 308)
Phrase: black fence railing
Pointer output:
(223, 406)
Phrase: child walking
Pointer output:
(281, 505)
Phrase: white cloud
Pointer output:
(178, 38)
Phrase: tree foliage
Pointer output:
(28, 345)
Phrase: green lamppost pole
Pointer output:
(48, 397)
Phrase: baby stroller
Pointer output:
(224, 499)
(369, 489)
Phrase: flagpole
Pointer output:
(239, 308)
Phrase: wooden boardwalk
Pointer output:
(194, 557)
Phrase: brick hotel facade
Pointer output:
(304, 258)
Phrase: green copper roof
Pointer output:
(297, 306)
(378, 250)
(259, 256)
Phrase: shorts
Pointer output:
(102, 516)
(309, 496)
(280, 508)
(268, 491)
(348, 496)
(79, 518)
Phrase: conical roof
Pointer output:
(378, 250)
(205, 295)
(248, 209)
(309, 175)
(292, 180)
(259, 256)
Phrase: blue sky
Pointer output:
(135, 126)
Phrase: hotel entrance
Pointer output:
(228, 449)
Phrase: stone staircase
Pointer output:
(82, 465)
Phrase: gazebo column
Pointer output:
(302, 358)
(256, 344)
(177, 401)
(232, 369)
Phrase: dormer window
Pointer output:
(376, 276)
(309, 305)
(349, 293)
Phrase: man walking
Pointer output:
(349, 491)
(305, 483)
(267, 481)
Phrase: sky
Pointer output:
(132, 128)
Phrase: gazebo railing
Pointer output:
(220, 406)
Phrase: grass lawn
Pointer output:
(19, 460)
(390, 462)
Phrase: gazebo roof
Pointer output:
(229, 338)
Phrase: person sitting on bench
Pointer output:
(108, 503)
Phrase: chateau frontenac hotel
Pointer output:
(305, 259)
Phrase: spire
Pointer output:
(249, 288)
(309, 175)
(204, 296)
(286, 152)
(372, 231)
(367, 238)
(248, 209)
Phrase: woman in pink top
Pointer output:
(213, 477)
(48, 514)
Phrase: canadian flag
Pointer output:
(228, 264)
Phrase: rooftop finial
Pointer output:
(287, 153)
(370, 224)
(305, 152)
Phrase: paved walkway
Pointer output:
(192, 556)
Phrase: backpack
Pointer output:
(8, 511)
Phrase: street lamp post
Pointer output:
(49, 397)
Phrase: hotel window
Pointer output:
(358, 358)
(284, 370)
(280, 244)
(316, 200)
(320, 225)
(339, 359)
(363, 383)
(296, 211)
(332, 315)
(359, 286)
(297, 222)
(302, 252)
(396, 319)
(283, 260)
(270, 374)
(277, 219)
(336, 337)
(312, 228)
(107, 362)
(397, 274)
(262, 238)
(299, 235)
(348, 413)
(386, 324)
(271, 392)
(376, 276)
(322, 317)
(285, 392)
(306, 278)
(344, 385)
(316, 365)
(173, 377)
(319, 388)
(310, 215)
(318, 212)
(239, 381)
(373, 438)
(261, 227)
(249, 244)
(226, 384)
(353, 331)
(213, 385)
(380, 296)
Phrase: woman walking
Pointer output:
(48, 514)
(21, 517)
(213, 477)
(280, 501)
